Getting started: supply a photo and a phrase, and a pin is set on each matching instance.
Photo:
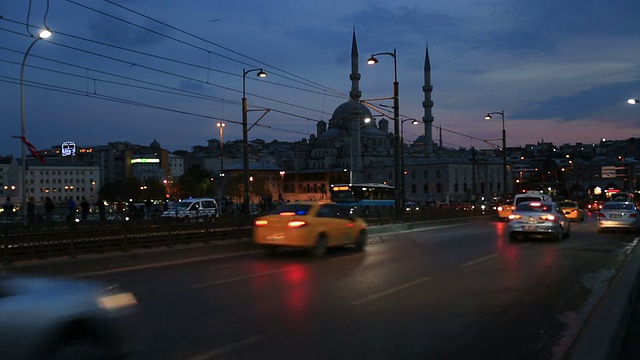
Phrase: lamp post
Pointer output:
(413, 122)
(633, 101)
(44, 34)
(221, 126)
(504, 147)
(282, 172)
(396, 128)
(245, 137)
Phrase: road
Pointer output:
(452, 291)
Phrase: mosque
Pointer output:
(355, 148)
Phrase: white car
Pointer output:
(50, 318)
(538, 219)
(618, 216)
(200, 208)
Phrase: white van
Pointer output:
(530, 196)
(200, 208)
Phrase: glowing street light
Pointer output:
(396, 129)
(504, 147)
(221, 126)
(44, 34)
(245, 137)
(633, 101)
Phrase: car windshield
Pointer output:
(297, 209)
(182, 205)
(618, 206)
(534, 206)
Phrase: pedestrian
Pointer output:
(71, 207)
(49, 207)
(84, 208)
(31, 211)
(8, 207)
(100, 205)
(148, 208)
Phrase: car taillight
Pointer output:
(601, 215)
(515, 217)
(547, 217)
(633, 215)
(261, 223)
(297, 224)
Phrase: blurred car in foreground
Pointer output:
(618, 215)
(48, 318)
(314, 225)
(538, 219)
(571, 210)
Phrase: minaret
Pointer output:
(355, 142)
(427, 104)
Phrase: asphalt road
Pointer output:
(452, 291)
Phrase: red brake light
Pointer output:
(634, 215)
(297, 224)
(548, 217)
(514, 217)
(261, 223)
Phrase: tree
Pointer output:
(196, 182)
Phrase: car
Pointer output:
(57, 318)
(504, 210)
(571, 210)
(198, 208)
(411, 207)
(538, 219)
(312, 225)
(618, 215)
(594, 206)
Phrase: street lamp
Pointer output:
(413, 122)
(282, 172)
(633, 101)
(221, 126)
(396, 128)
(504, 147)
(44, 34)
(245, 137)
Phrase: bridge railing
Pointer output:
(24, 241)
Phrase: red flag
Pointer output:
(32, 149)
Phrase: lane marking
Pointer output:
(227, 348)
(162, 264)
(472, 262)
(390, 291)
(239, 278)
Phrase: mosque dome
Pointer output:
(155, 144)
(349, 110)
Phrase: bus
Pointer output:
(365, 199)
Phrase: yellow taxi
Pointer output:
(313, 225)
(504, 210)
(571, 210)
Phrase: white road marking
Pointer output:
(390, 291)
(227, 348)
(239, 278)
(162, 264)
(489, 256)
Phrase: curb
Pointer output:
(604, 333)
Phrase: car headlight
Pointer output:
(112, 299)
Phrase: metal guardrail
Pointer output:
(25, 242)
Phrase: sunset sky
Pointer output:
(166, 70)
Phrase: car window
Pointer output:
(328, 211)
(618, 206)
(567, 204)
(297, 209)
(527, 198)
(535, 206)
(208, 204)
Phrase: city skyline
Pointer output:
(559, 81)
